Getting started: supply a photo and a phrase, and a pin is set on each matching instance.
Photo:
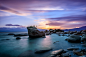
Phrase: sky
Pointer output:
(45, 14)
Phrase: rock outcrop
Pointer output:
(33, 32)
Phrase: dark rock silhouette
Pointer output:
(33, 32)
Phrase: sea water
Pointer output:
(27, 46)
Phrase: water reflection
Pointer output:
(46, 42)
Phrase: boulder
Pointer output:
(74, 38)
(33, 32)
(56, 52)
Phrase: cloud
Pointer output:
(53, 23)
(29, 7)
(10, 10)
(12, 25)
(42, 9)
(70, 18)
(68, 21)
(45, 4)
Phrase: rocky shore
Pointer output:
(72, 37)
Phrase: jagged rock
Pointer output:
(43, 51)
(72, 48)
(56, 52)
(33, 32)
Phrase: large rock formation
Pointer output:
(33, 32)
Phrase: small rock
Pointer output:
(58, 56)
(65, 51)
(78, 53)
(72, 48)
(18, 38)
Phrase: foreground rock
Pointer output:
(33, 32)
(77, 53)
(56, 52)
(43, 51)
(74, 38)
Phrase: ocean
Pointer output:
(25, 47)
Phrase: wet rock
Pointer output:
(65, 51)
(77, 53)
(43, 51)
(84, 45)
(56, 52)
(33, 32)
(72, 48)
(83, 56)
(18, 38)
(66, 55)
(83, 51)
(74, 38)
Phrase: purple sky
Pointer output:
(45, 14)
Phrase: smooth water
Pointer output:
(27, 46)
